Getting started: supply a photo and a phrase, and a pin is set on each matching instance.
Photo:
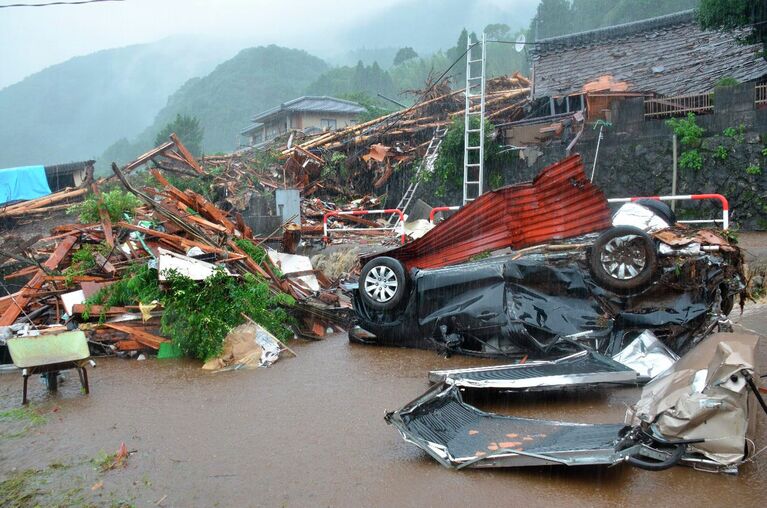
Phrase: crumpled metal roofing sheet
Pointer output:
(577, 369)
(560, 203)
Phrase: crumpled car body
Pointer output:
(699, 413)
(510, 305)
(574, 273)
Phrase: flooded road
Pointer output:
(309, 431)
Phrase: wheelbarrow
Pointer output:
(50, 354)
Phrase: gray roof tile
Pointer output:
(669, 55)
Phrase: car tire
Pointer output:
(623, 258)
(660, 209)
(382, 283)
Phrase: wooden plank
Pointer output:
(104, 263)
(44, 201)
(30, 270)
(147, 156)
(128, 345)
(106, 222)
(25, 295)
(97, 310)
(76, 278)
(177, 240)
(187, 155)
(173, 191)
(141, 336)
(205, 207)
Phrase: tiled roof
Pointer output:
(250, 128)
(318, 104)
(669, 55)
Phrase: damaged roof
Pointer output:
(668, 55)
(68, 168)
(559, 203)
(318, 104)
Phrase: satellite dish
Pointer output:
(520, 45)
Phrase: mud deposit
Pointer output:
(309, 431)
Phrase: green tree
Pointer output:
(373, 106)
(188, 130)
(552, 18)
(457, 52)
(404, 54)
(497, 31)
(735, 15)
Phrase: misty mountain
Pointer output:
(430, 25)
(225, 100)
(73, 110)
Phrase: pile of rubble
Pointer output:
(173, 230)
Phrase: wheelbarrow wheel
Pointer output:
(52, 380)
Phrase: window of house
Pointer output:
(327, 123)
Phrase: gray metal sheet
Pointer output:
(459, 435)
(582, 368)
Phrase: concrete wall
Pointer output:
(635, 157)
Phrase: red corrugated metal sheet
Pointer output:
(560, 203)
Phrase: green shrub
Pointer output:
(448, 168)
(691, 159)
(687, 130)
(199, 314)
(138, 285)
(721, 153)
(738, 134)
(83, 260)
(116, 202)
(727, 81)
(753, 169)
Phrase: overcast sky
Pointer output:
(32, 38)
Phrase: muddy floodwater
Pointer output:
(309, 431)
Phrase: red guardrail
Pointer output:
(437, 209)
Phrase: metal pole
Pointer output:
(673, 173)
(596, 154)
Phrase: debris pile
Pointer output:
(75, 276)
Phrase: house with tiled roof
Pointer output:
(664, 56)
(308, 114)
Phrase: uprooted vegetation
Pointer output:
(116, 202)
(197, 315)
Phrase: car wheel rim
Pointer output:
(381, 284)
(623, 257)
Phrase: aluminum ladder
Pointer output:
(427, 164)
(474, 152)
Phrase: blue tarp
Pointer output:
(23, 183)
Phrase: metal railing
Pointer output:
(665, 107)
(398, 227)
(438, 209)
(761, 95)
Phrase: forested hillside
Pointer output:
(560, 17)
(225, 100)
(74, 109)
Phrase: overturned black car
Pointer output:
(601, 289)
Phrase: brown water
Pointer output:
(309, 431)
